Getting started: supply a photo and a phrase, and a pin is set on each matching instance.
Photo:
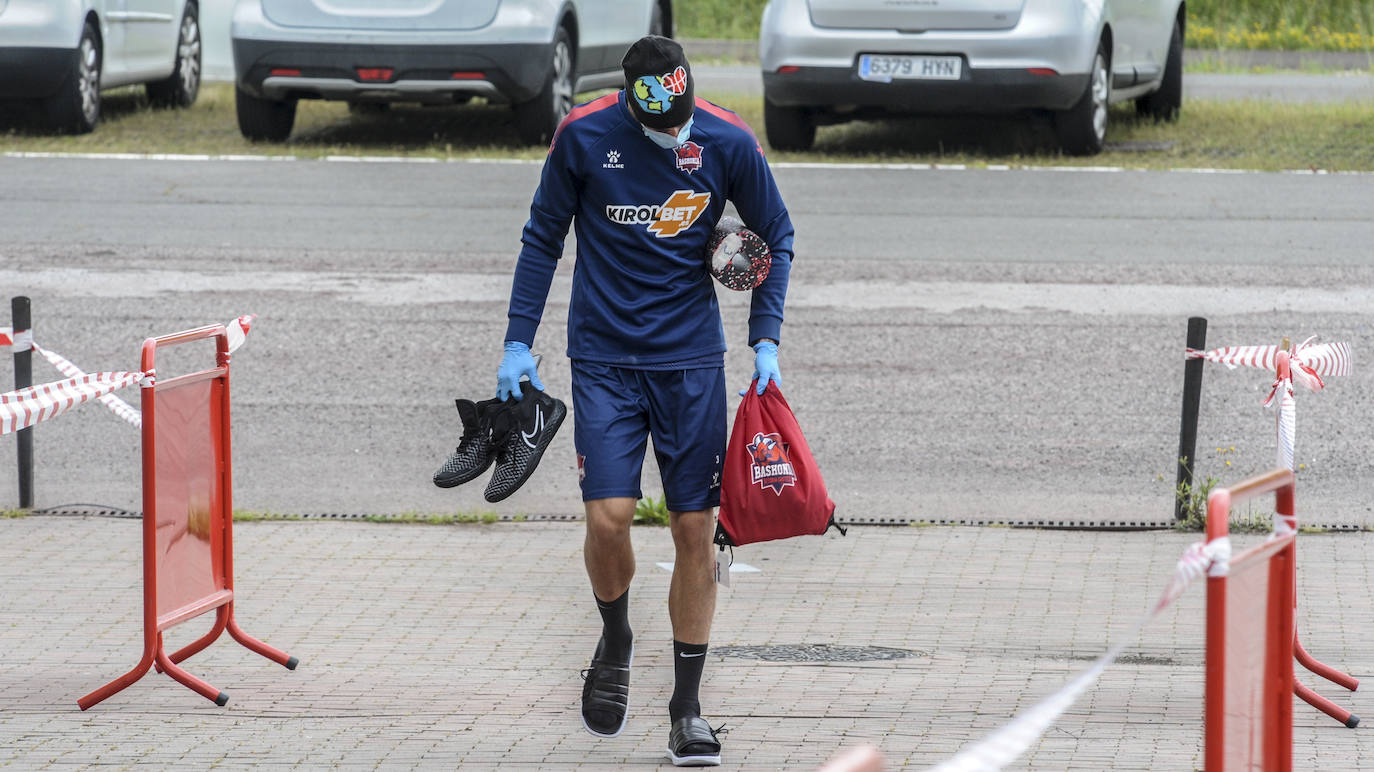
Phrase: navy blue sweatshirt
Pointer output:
(642, 293)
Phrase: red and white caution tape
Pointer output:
(1286, 422)
(26, 407)
(237, 330)
(1307, 363)
(1005, 745)
(23, 408)
(116, 405)
(21, 341)
(1314, 359)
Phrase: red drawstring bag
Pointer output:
(770, 487)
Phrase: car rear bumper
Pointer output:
(978, 91)
(34, 73)
(512, 71)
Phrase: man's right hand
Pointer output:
(517, 362)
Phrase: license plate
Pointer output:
(885, 68)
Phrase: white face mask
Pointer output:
(667, 141)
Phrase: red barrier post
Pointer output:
(1274, 697)
(187, 515)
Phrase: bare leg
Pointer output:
(610, 560)
(607, 551)
(692, 594)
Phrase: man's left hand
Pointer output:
(765, 366)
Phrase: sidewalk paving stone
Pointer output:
(460, 646)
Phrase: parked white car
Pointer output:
(532, 54)
(63, 53)
(830, 61)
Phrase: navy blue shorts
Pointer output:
(616, 409)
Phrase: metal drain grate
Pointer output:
(815, 652)
(100, 510)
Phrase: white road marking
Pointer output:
(735, 568)
(402, 289)
(776, 165)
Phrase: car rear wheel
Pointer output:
(1082, 129)
(537, 119)
(181, 88)
(264, 119)
(75, 108)
(788, 128)
(1164, 104)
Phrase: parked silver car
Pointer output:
(532, 54)
(830, 61)
(62, 53)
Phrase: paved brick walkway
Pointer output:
(459, 646)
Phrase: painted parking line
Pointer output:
(918, 167)
(394, 289)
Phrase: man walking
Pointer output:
(645, 173)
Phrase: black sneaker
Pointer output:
(477, 448)
(536, 418)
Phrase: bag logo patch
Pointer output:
(771, 467)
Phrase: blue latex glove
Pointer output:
(517, 361)
(765, 366)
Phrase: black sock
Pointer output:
(688, 660)
(615, 628)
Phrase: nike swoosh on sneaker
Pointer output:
(685, 654)
(538, 427)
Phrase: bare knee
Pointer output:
(692, 532)
(609, 520)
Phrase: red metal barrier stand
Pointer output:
(187, 516)
(1274, 710)
(1329, 673)
(1285, 506)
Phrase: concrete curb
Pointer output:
(748, 51)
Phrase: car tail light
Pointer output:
(375, 73)
(469, 75)
(788, 69)
(286, 71)
(1041, 71)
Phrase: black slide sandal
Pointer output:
(607, 690)
(693, 743)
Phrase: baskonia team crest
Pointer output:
(771, 467)
(688, 156)
(655, 93)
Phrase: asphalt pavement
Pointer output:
(960, 346)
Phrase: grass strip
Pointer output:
(1292, 25)
(1279, 37)
(1228, 135)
